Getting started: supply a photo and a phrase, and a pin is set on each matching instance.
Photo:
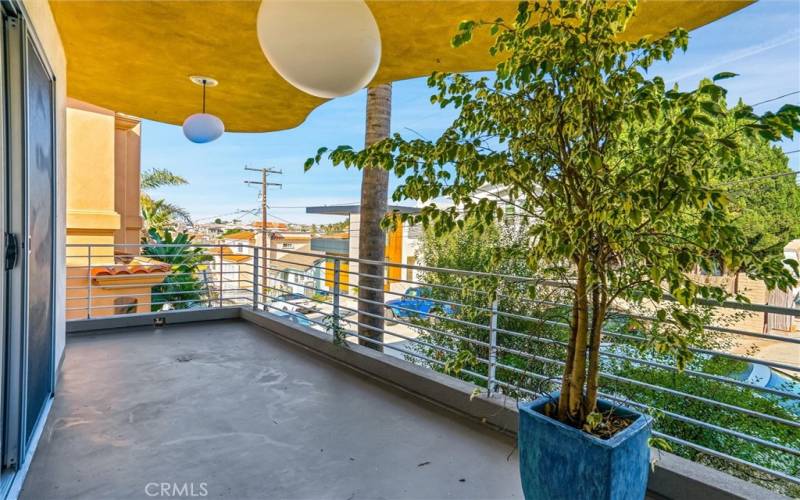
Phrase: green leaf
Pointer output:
(724, 75)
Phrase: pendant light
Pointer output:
(203, 127)
(328, 48)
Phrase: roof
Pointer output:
(127, 265)
(240, 235)
(273, 225)
(355, 209)
(296, 262)
(136, 57)
(298, 236)
(343, 235)
(229, 255)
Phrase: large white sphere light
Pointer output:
(326, 48)
(203, 127)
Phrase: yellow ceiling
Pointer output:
(136, 56)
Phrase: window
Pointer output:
(125, 305)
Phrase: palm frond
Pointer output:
(155, 178)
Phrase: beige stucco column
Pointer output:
(127, 166)
(91, 214)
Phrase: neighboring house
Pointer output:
(240, 242)
(756, 291)
(335, 245)
(287, 271)
(102, 177)
(232, 272)
(402, 244)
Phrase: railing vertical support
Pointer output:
(336, 296)
(220, 275)
(256, 283)
(491, 383)
(89, 282)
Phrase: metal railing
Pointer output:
(730, 407)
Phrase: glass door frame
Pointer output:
(19, 39)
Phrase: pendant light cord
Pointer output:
(204, 96)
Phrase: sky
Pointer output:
(760, 42)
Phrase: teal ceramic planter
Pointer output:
(560, 462)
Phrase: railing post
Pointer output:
(491, 384)
(220, 275)
(256, 284)
(336, 296)
(89, 281)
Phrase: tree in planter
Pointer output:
(466, 249)
(619, 174)
(181, 289)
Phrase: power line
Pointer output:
(762, 177)
(237, 212)
(775, 98)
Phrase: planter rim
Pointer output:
(642, 420)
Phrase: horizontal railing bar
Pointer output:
(670, 368)
(204, 300)
(159, 294)
(413, 325)
(155, 245)
(726, 355)
(200, 278)
(327, 327)
(666, 390)
(421, 356)
(123, 286)
(725, 456)
(426, 315)
(656, 388)
(414, 267)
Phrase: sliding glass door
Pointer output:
(27, 215)
(40, 194)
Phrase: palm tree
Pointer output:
(371, 238)
(160, 213)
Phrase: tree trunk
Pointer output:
(563, 400)
(578, 377)
(371, 238)
(593, 379)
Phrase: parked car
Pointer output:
(294, 318)
(416, 304)
(293, 302)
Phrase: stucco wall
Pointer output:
(43, 25)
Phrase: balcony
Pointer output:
(238, 391)
(233, 405)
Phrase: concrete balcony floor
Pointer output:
(228, 405)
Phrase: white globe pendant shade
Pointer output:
(203, 127)
(326, 48)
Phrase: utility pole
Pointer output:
(264, 243)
